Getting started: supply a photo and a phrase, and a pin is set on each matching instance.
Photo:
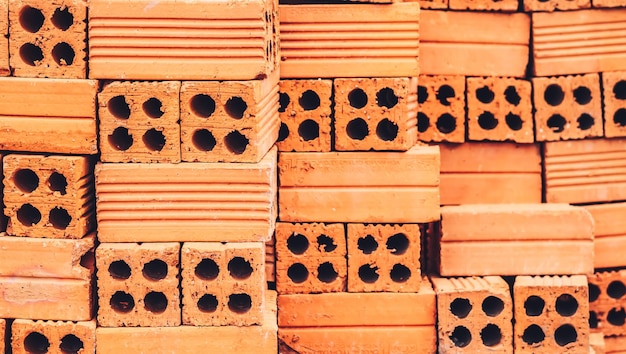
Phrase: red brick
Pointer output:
(441, 108)
(484, 5)
(270, 260)
(609, 234)
(607, 302)
(597, 344)
(608, 3)
(3, 335)
(5, 70)
(614, 103)
(615, 345)
(552, 5)
(53, 337)
(434, 4)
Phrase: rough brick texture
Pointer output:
(484, 5)
(552, 5)
(433, 4)
(607, 300)
(609, 234)
(614, 103)
(608, 3)
(53, 337)
(441, 108)
(270, 261)
(3, 335)
(4, 41)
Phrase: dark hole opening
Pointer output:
(63, 54)
(357, 129)
(325, 243)
(62, 18)
(446, 123)
(492, 306)
(36, 343)
(120, 139)
(444, 93)
(57, 183)
(594, 292)
(491, 335)
(283, 133)
(461, 336)
(309, 100)
(511, 95)
(309, 130)
(553, 95)
(619, 118)
(28, 215)
(367, 244)
(513, 121)
(398, 244)
(203, 140)
(565, 335)
(31, 54)
(534, 305)
(616, 317)
(487, 121)
(122, 302)
(556, 122)
(326, 272)
(422, 94)
(207, 269)
(154, 140)
(368, 273)
(283, 101)
(26, 180)
(153, 108)
(400, 273)
(485, 95)
(616, 289)
(70, 344)
(585, 121)
(582, 95)
(297, 243)
(156, 269)
(155, 302)
(357, 98)
(59, 218)
(31, 19)
(533, 334)
(239, 268)
(386, 98)
(619, 90)
(386, 130)
(460, 307)
(119, 270)
(593, 319)
(236, 107)
(566, 305)
(298, 273)
(423, 122)
(207, 303)
(118, 107)
(239, 303)
(202, 105)
(236, 142)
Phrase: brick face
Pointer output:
(441, 108)
(607, 290)
(55, 336)
(614, 103)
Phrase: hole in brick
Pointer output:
(534, 305)
(357, 98)
(594, 292)
(31, 19)
(565, 335)
(119, 270)
(122, 302)
(26, 180)
(118, 107)
(619, 118)
(387, 130)
(88, 260)
(492, 306)
(63, 54)
(444, 93)
(202, 105)
(398, 244)
(28, 215)
(461, 336)
(582, 95)
(239, 268)
(386, 98)
(400, 273)
(203, 140)
(485, 95)
(153, 108)
(59, 218)
(31, 54)
(460, 307)
(593, 319)
(619, 90)
(62, 18)
(298, 273)
(297, 244)
(491, 335)
(553, 95)
(309, 130)
(446, 123)
(309, 100)
(367, 244)
(283, 132)
(357, 129)
(155, 302)
(120, 139)
(368, 273)
(156, 269)
(616, 289)
(36, 343)
(154, 140)
(616, 317)
(585, 121)
(487, 121)
(57, 183)
(207, 269)
(283, 101)
(236, 142)
(326, 273)
(235, 107)
(566, 305)
(513, 121)
(423, 122)
(207, 303)
(422, 94)
(511, 95)
(325, 243)
(556, 122)
(533, 334)
(239, 303)
(70, 344)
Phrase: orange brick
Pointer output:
(567, 107)
(512, 239)
(223, 284)
(441, 108)
(139, 121)
(452, 44)
(615, 345)
(3, 335)
(305, 115)
(311, 258)
(5, 70)
(608, 3)
(215, 201)
(433, 4)
(607, 300)
(609, 234)
(429, 247)
(143, 40)
(375, 40)
(484, 5)
(614, 103)
(551, 314)
(53, 337)
(597, 344)
(552, 5)
(375, 114)
(138, 284)
(270, 261)
(48, 115)
(465, 327)
(48, 39)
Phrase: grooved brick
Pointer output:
(30, 336)
(552, 5)
(5, 69)
(270, 260)
(614, 103)
(484, 5)
(609, 234)
(441, 108)
(433, 4)
(606, 303)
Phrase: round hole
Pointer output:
(325, 243)
(156, 269)
(26, 180)
(367, 244)
(62, 18)
(283, 101)
(492, 306)
(297, 243)
(386, 130)
(28, 215)
(326, 273)
(582, 95)
(553, 95)
(357, 129)
(31, 54)
(534, 305)
(565, 335)
(309, 100)
(398, 244)
(207, 269)
(31, 19)
(236, 142)
(283, 133)
(594, 292)
(155, 302)
(619, 118)
(239, 268)
(461, 336)
(593, 319)
(235, 107)
(491, 335)
(59, 218)
(154, 140)
(446, 123)
(460, 307)
(298, 273)
(357, 98)
(122, 302)
(57, 183)
(566, 305)
(36, 343)
(239, 303)
(207, 303)
(203, 140)
(511, 95)
(386, 98)
(70, 344)
(118, 107)
(619, 90)
(63, 54)
(400, 273)
(120, 139)
(533, 334)
(368, 273)
(585, 121)
(309, 130)
(202, 105)
(487, 121)
(616, 317)
(119, 270)
(444, 94)
(556, 122)
(422, 94)
(423, 122)
(616, 289)
(153, 108)
(513, 121)
(485, 95)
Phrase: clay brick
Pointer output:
(433, 4)
(374, 40)
(53, 337)
(48, 115)
(567, 107)
(49, 196)
(596, 343)
(607, 301)
(552, 5)
(40, 257)
(311, 258)
(191, 339)
(4, 46)
(383, 258)
(375, 114)
(270, 261)
(452, 44)
(441, 108)
(614, 103)
(139, 121)
(223, 284)
(348, 186)
(512, 239)
(609, 234)
(499, 109)
(48, 39)
(484, 5)
(143, 40)
(608, 3)
(305, 115)
(585, 171)
(551, 314)
(615, 345)
(489, 173)
(3, 335)
(215, 201)
(46, 298)
(138, 284)
(474, 315)
(231, 121)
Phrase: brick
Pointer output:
(596, 343)
(609, 234)
(499, 109)
(614, 103)
(311, 258)
(474, 315)
(142, 40)
(305, 115)
(608, 3)
(489, 173)
(615, 345)
(3, 335)
(5, 70)
(40, 257)
(139, 121)
(511, 239)
(434, 4)
(376, 40)
(607, 302)
(584, 171)
(553, 5)
(375, 114)
(138, 284)
(30, 336)
(348, 186)
(223, 284)
(452, 44)
(49, 196)
(230, 121)
(551, 314)
(270, 261)
(383, 258)
(48, 115)
(429, 247)
(191, 339)
(567, 107)
(215, 201)
(484, 5)
(441, 108)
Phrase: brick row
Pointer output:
(607, 302)
(28, 336)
